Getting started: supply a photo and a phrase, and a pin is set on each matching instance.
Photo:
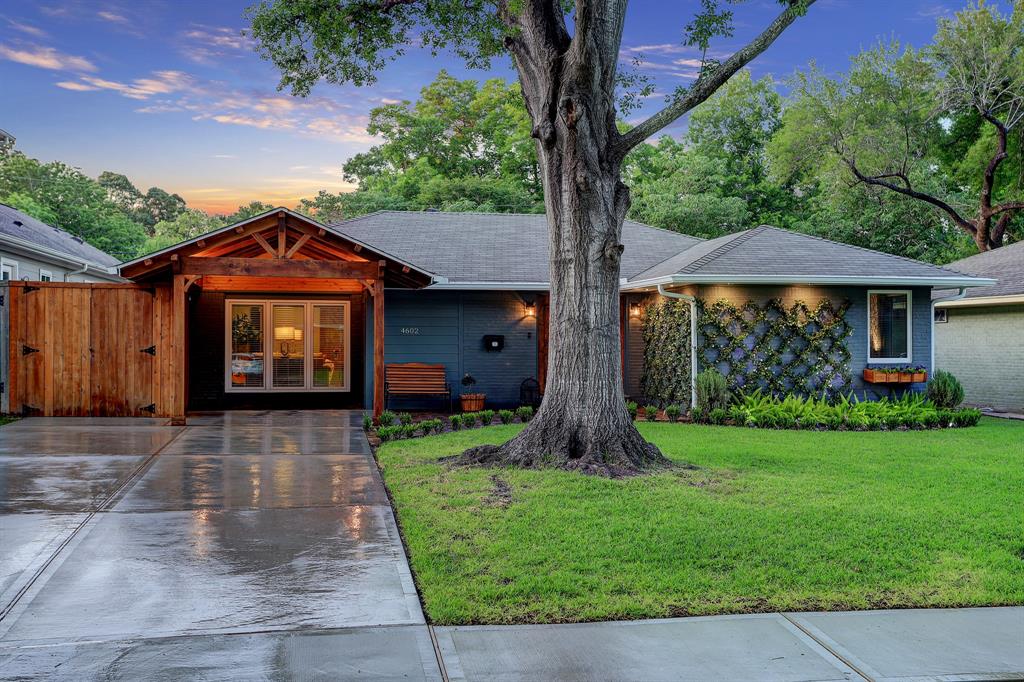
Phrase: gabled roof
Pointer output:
(236, 237)
(493, 250)
(1005, 265)
(768, 254)
(51, 241)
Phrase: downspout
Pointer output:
(955, 297)
(693, 338)
(81, 271)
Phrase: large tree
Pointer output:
(567, 58)
(893, 120)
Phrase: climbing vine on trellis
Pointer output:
(666, 331)
(799, 349)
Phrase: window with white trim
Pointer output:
(890, 337)
(45, 276)
(278, 345)
(8, 269)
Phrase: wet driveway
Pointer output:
(247, 545)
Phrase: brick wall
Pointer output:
(982, 347)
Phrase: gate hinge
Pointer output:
(27, 410)
(2, 301)
(29, 290)
(3, 386)
(151, 408)
(28, 350)
(151, 350)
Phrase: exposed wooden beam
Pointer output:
(378, 347)
(282, 234)
(297, 245)
(259, 239)
(255, 267)
(179, 356)
(281, 284)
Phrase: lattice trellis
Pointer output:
(666, 376)
(794, 350)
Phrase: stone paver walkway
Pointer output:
(261, 545)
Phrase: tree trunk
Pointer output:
(582, 424)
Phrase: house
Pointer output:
(282, 311)
(978, 335)
(32, 250)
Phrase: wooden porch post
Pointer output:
(378, 347)
(179, 363)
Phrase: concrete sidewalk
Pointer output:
(951, 645)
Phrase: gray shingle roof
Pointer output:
(771, 252)
(15, 223)
(1005, 265)
(493, 247)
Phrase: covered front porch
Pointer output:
(276, 312)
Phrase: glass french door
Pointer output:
(288, 346)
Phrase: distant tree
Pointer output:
(885, 122)
(187, 225)
(330, 208)
(569, 83)
(253, 208)
(26, 204)
(160, 205)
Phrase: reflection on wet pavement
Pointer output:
(272, 526)
(257, 440)
(255, 481)
(70, 483)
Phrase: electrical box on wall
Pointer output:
(494, 343)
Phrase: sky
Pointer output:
(172, 93)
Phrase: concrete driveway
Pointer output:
(248, 545)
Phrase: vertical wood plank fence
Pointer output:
(76, 350)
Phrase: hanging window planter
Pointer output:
(895, 375)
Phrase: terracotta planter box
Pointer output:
(472, 402)
(875, 376)
(920, 377)
(906, 377)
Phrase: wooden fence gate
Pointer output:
(77, 349)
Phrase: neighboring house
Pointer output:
(281, 311)
(32, 250)
(979, 336)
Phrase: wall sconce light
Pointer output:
(634, 310)
(529, 309)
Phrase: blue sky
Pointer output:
(172, 94)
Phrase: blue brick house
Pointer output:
(281, 310)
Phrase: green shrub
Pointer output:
(405, 418)
(409, 430)
(632, 408)
(525, 413)
(367, 422)
(719, 415)
(387, 418)
(698, 415)
(673, 412)
(944, 391)
(455, 421)
(712, 390)
(469, 419)
(506, 416)
(486, 417)
(650, 413)
(967, 417)
(386, 433)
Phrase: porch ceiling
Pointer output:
(303, 248)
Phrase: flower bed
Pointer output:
(909, 412)
(391, 426)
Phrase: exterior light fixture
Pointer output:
(529, 309)
(634, 310)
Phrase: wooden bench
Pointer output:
(415, 379)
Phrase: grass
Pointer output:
(772, 520)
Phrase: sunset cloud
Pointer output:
(45, 58)
(27, 28)
(113, 17)
(161, 83)
(76, 86)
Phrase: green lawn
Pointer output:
(772, 520)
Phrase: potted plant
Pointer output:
(920, 374)
(471, 402)
(906, 375)
(875, 375)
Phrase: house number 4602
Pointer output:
(411, 331)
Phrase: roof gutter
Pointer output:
(955, 297)
(693, 338)
(834, 280)
(80, 271)
(56, 257)
(1009, 299)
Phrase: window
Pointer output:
(940, 315)
(287, 346)
(45, 276)
(8, 269)
(889, 326)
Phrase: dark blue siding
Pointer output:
(447, 327)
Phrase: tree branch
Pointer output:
(877, 181)
(706, 85)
